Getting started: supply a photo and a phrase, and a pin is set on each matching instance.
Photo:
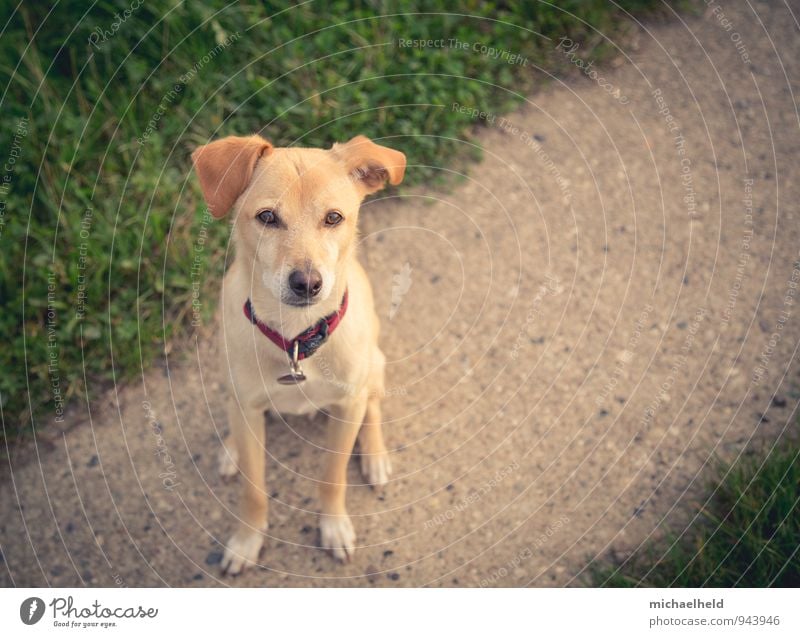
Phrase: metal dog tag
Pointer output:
(292, 378)
(295, 374)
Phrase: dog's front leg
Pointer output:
(336, 529)
(375, 465)
(248, 434)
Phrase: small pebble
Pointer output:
(215, 557)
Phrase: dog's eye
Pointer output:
(333, 218)
(267, 217)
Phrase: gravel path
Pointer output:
(602, 306)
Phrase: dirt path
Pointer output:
(588, 317)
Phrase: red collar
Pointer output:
(308, 341)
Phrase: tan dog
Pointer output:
(295, 214)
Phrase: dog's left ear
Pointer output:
(369, 164)
(225, 168)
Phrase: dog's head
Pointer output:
(295, 209)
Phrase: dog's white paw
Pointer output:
(376, 468)
(241, 551)
(338, 535)
(228, 462)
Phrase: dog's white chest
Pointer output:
(308, 397)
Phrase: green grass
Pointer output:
(747, 533)
(73, 112)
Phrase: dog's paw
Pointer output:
(376, 468)
(338, 535)
(242, 551)
(228, 462)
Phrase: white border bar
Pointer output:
(407, 612)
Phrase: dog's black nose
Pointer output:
(305, 284)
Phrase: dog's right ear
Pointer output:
(225, 167)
